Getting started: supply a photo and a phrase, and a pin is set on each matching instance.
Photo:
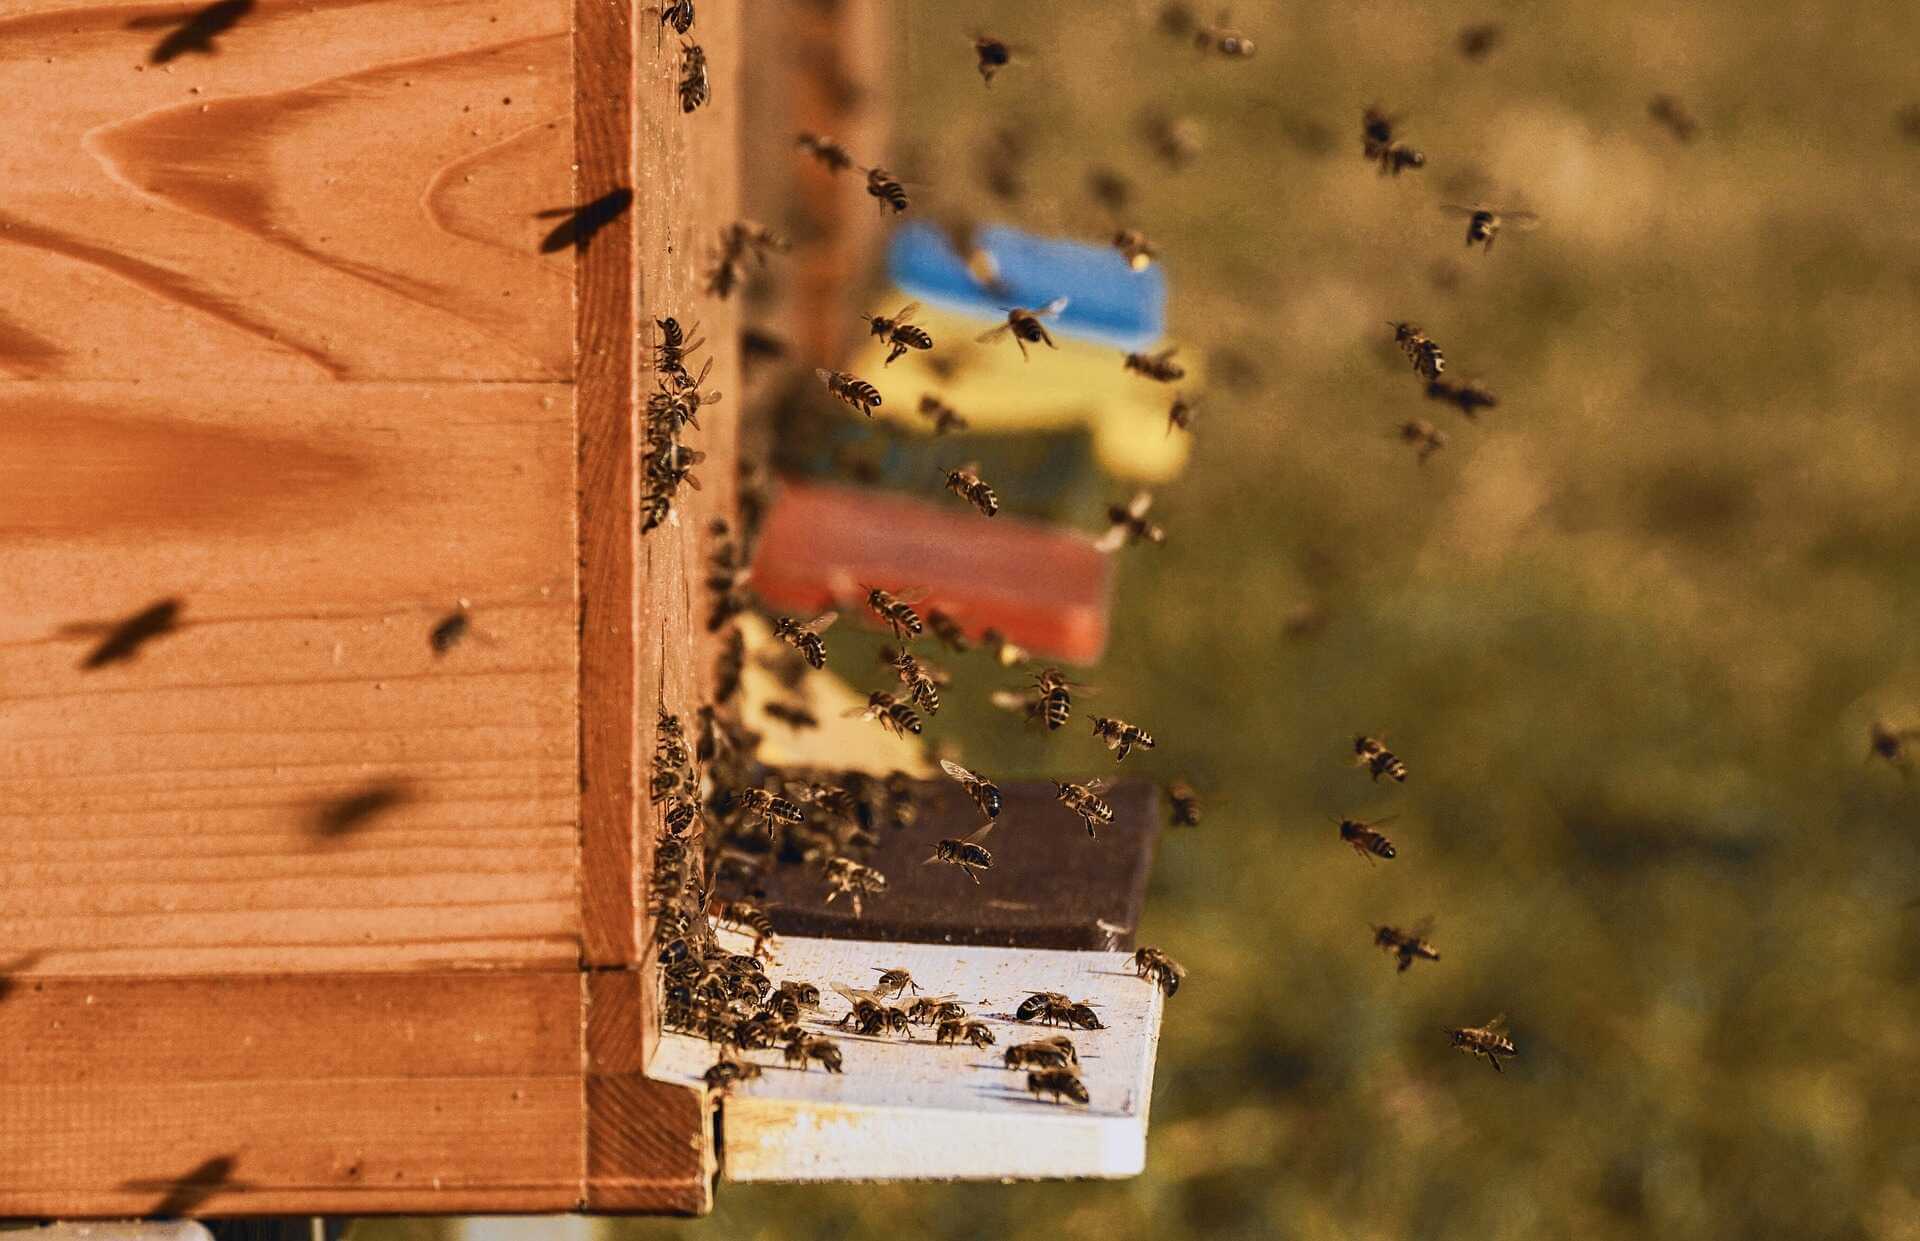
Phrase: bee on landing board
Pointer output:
(805, 638)
(748, 917)
(1484, 223)
(967, 853)
(728, 1072)
(960, 1030)
(1469, 397)
(1062, 1084)
(965, 482)
(1127, 524)
(1425, 356)
(830, 153)
(1053, 1008)
(1159, 367)
(984, 792)
(1120, 736)
(1407, 945)
(1026, 326)
(695, 87)
(1489, 1040)
(1373, 754)
(1366, 838)
(894, 981)
(992, 55)
(1160, 969)
(1085, 801)
(893, 715)
(896, 611)
(1046, 1053)
(900, 334)
(871, 1015)
(1426, 438)
(886, 190)
(803, 1048)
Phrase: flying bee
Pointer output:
(894, 981)
(963, 1031)
(968, 854)
(1409, 946)
(1426, 438)
(945, 418)
(1887, 742)
(1373, 754)
(1005, 653)
(1026, 326)
(1366, 838)
(1477, 41)
(1127, 524)
(1159, 968)
(1184, 803)
(826, 150)
(1469, 397)
(1378, 144)
(770, 807)
(738, 241)
(1047, 1053)
(1159, 367)
(851, 389)
(1053, 696)
(678, 14)
(1135, 248)
(886, 189)
(1489, 1040)
(1182, 413)
(1222, 40)
(806, 638)
(984, 792)
(965, 482)
(897, 611)
(1484, 223)
(893, 715)
(805, 1048)
(1671, 113)
(1110, 189)
(748, 917)
(1121, 736)
(794, 715)
(1085, 801)
(948, 631)
(854, 880)
(923, 680)
(695, 89)
(1426, 357)
(1175, 141)
(993, 55)
(898, 332)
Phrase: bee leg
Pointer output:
(1495, 1062)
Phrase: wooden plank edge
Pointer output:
(649, 1144)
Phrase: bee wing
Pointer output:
(862, 712)
(1112, 541)
(906, 312)
(958, 772)
(821, 623)
(1054, 307)
(988, 337)
(1498, 1025)
(935, 999)
(1142, 500)
(824, 375)
(1096, 785)
(980, 833)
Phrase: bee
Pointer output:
(965, 482)
(962, 1031)
(805, 994)
(1378, 144)
(1489, 1040)
(890, 713)
(851, 389)
(1006, 653)
(826, 150)
(930, 1010)
(993, 56)
(1484, 223)
(728, 1072)
(898, 333)
(1184, 803)
(1373, 754)
(968, 854)
(1469, 397)
(984, 792)
(1175, 141)
(886, 189)
(682, 815)
(1047, 1053)
(1407, 945)
(1890, 743)
(794, 715)
(1182, 413)
(1159, 367)
(1159, 968)
(897, 611)
(1053, 699)
(1085, 801)
(671, 354)
(770, 807)
(1002, 163)
(1221, 39)
(678, 14)
(1135, 248)
(1054, 1008)
(870, 1015)
(1121, 736)
(748, 917)
(695, 89)
(447, 634)
(1110, 189)
(727, 667)
(1426, 357)
(854, 880)
(923, 681)
(1477, 41)
(943, 415)
(1673, 114)
(1426, 438)
(1026, 326)
(1366, 838)
(803, 1048)
(1127, 524)
(948, 631)
(806, 638)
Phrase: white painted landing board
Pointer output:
(913, 1110)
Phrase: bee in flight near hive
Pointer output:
(1120, 736)
(803, 1048)
(893, 715)
(1469, 397)
(1489, 1040)
(806, 638)
(1671, 113)
(1050, 699)
(695, 88)
(1484, 223)
(1222, 40)
(968, 854)
(1182, 413)
(944, 417)
(1158, 968)
(1026, 326)
(855, 880)
(677, 14)
(1085, 801)
(770, 807)
(738, 241)
(1373, 754)
(992, 55)
(897, 610)
(1426, 438)
(1184, 804)
(899, 334)
(964, 1031)
(1159, 367)
(851, 389)
(830, 153)
(1135, 248)
(1047, 1053)
(794, 715)
(984, 792)
(1426, 357)
(886, 189)
(1366, 838)
(1409, 946)
(1127, 524)
(1378, 144)
(948, 631)
(965, 482)
(1005, 653)
(1054, 1009)
(1884, 741)
(923, 680)
(1476, 42)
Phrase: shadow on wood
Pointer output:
(195, 32)
(583, 222)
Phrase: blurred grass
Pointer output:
(1628, 630)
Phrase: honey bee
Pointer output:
(1378, 144)
(968, 854)
(748, 917)
(923, 680)
(1085, 801)
(1175, 141)
(1135, 248)
(1127, 524)
(1006, 653)
(728, 1072)
(1426, 438)
(682, 815)
(806, 638)
(1110, 189)
(1366, 838)
(1182, 413)
(1469, 397)
(805, 994)
(893, 715)
(1409, 946)
(1052, 1008)
(447, 634)
(945, 418)
(1184, 803)
(1159, 367)
(671, 354)
(770, 807)
(1890, 743)
(803, 1048)
(1026, 326)
(886, 189)
(851, 389)
(993, 56)
(1159, 968)
(898, 332)
(678, 14)
(1121, 736)
(1484, 223)
(826, 150)
(948, 631)
(854, 880)
(984, 792)
(1373, 754)
(894, 981)
(897, 611)
(695, 89)
(1223, 40)
(930, 1010)
(965, 482)
(1671, 113)
(962, 1031)
(1053, 696)
(1426, 357)
(794, 715)
(1489, 1040)
(738, 241)
(1047, 1053)
(1477, 41)
(871, 1015)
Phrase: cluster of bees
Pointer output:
(674, 405)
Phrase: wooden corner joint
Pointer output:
(650, 1146)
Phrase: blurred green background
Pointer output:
(1629, 629)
